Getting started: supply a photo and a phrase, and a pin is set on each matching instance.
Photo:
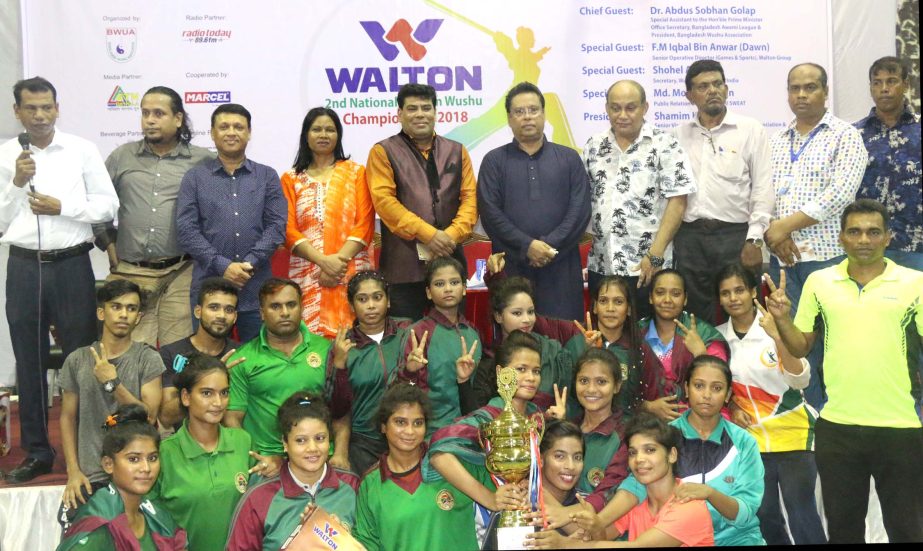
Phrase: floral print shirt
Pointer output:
(630, 191)
(893, 175)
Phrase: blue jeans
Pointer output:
(795, 474)
(795, 276)
(915, 261)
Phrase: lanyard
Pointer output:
(791, 144)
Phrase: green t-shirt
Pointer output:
(390, 516)
(871, 343)
(268, 377)
(201, 489)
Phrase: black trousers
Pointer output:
(700, 250)
(847, 457)
(62, 296)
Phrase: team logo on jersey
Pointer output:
(768, 357)
(314, 359)
(445, 500)
(595, 476)
(240, 479)
(729, 479)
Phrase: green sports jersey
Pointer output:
(268, 377)
(101, 524)
(439, 376)
(201, 489)
(370, 366)
(403, 513)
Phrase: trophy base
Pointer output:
(513, 537)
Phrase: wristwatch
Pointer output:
(110, 385)
(656, 261)
(758, 242)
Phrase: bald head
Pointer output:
(626, 105)
(627, 86)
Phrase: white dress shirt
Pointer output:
(732, 170)
(71, 170)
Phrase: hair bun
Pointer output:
(130, 413)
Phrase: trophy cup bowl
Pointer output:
(507, 444)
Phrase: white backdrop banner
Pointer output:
(280, 58)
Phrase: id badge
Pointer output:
(787, 182)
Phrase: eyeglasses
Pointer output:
(521, 112)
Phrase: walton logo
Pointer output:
(401, 32)
(390, 79)
(326, 535)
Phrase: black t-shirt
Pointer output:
(169, 352)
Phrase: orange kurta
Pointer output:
(327, 214)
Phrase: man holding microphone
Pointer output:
(53, 186)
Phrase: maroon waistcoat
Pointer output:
(399, 260)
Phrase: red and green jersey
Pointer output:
(268, 377)
(605, 460)
(370, 366)
(658, 379)
(270, 511)
(102, 524)
(461, 438)
(438, 376)
(403, 513)
(201, 489)
(557, 369)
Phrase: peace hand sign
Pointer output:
(593, 338)
(559, 409)
(227, 356)
(417, 357)
(464, 365)
(777, 302)
(767, 322)
(694, 342)
(103, 369)
(341, 348)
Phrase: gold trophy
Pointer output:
(507, 443)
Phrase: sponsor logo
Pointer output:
(389, 79)
(121, 43)
(207, 97)
(405, 35)
(206, 36)
(240, 480)
(326, 535)
(120, 99)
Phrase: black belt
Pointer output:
(53, 255)
(159, 264)
(711, 225)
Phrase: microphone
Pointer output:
(25, 140)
